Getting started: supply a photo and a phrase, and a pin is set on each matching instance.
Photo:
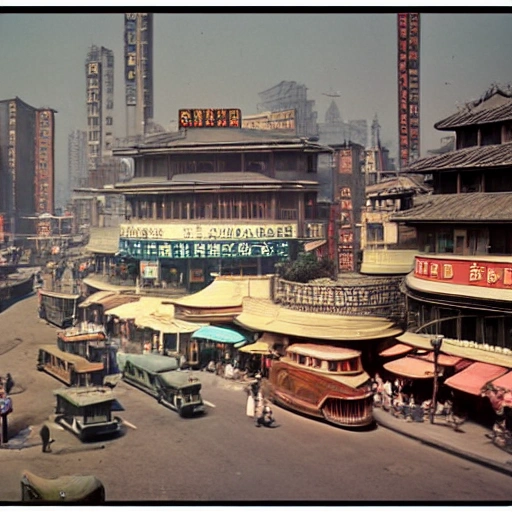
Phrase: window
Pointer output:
(445, 242)
(374, 233)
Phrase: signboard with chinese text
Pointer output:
(477, 272)
(210, 118)
(153, 250)
(44, 162)
(408, 87)
(130, 59)
(149, 269)
(208, 231)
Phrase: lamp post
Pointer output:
(436, 343)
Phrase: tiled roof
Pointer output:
(476, 207)
(495, 155)
(497, 108)
(398, 185)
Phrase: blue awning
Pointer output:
(220, 334)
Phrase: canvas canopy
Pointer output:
(219, 334)
(95, 298)
(411, 367)
(259, 347)
(475, 377)
(505, 382)
(151, 362)
(396, 350)
(325, 352)
(264, 315)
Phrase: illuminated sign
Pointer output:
(408, 87)
(210, 118)
(208, 231)
(283, 120)
(153, 250)
(465, 272)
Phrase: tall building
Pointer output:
(408, 88)
(99, 70)
(138, 66)
(27, 166)
(77, 159)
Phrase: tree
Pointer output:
(305, 268)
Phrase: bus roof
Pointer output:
(152, 363)
(80, 363)
(84, 396)
(179, 379)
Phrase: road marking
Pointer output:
(205, 402)
(128, 424)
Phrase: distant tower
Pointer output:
(408, 87)
(77, 159)
(99, 70)
(138, 65)
(375, 132)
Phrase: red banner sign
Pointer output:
(488, 274)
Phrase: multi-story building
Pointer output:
(138, 66)
(77, 159)
(461, 285)
(219, 200)
(99, 71)
(27, 166)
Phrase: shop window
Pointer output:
(445, 242)
(375, 233)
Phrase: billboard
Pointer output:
(210, 118)
(408, 87)
(44, 162)
(283, 120)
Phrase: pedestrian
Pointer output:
(9, 383)
(254, 395)
(46, 438)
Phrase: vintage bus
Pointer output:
(325, 382)
(159, 376)
(57, 308)
(87, 411)
(70, 369)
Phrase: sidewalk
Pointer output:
(470, 443)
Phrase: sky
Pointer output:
(224, 59)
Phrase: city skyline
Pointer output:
(226, 59)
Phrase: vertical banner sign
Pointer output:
(130, 57)
(12, 155)
(346, 219)
(408, 87)
(44, 163)
(93, 112)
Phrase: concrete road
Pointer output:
(221, 456)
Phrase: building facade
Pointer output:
(461, 285)
(77, 159)
(99, 71)
(27, 159)
(138, 70)
(209, 201)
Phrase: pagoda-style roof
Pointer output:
(478, 207)
(495, 108)
(476, 157)
(218, 139)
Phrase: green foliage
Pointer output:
(305, 268)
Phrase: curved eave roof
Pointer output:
(475, 157)
(474, 208)
(264, 315)
(475, 116)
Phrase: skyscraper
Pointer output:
(99, 70)
(138, 65)
(27, 165)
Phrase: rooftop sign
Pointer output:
(210, 118)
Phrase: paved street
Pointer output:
(222, 456)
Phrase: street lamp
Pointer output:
(436, 343)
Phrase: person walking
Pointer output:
(46, 438)
(254, 393)
(9, 383)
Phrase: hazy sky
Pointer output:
(225, 59)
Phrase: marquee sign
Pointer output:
(283, 120)
(210, 118)
(465, 272)
(153, 250)
(208, 231)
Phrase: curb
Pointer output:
(496, 466)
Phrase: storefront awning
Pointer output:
(95, 298)
(411, 367)
(259, 347)
(396, 350)
(475, 377)
(505, 382)
(311, 246)
(443, 359)
(219, 334)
